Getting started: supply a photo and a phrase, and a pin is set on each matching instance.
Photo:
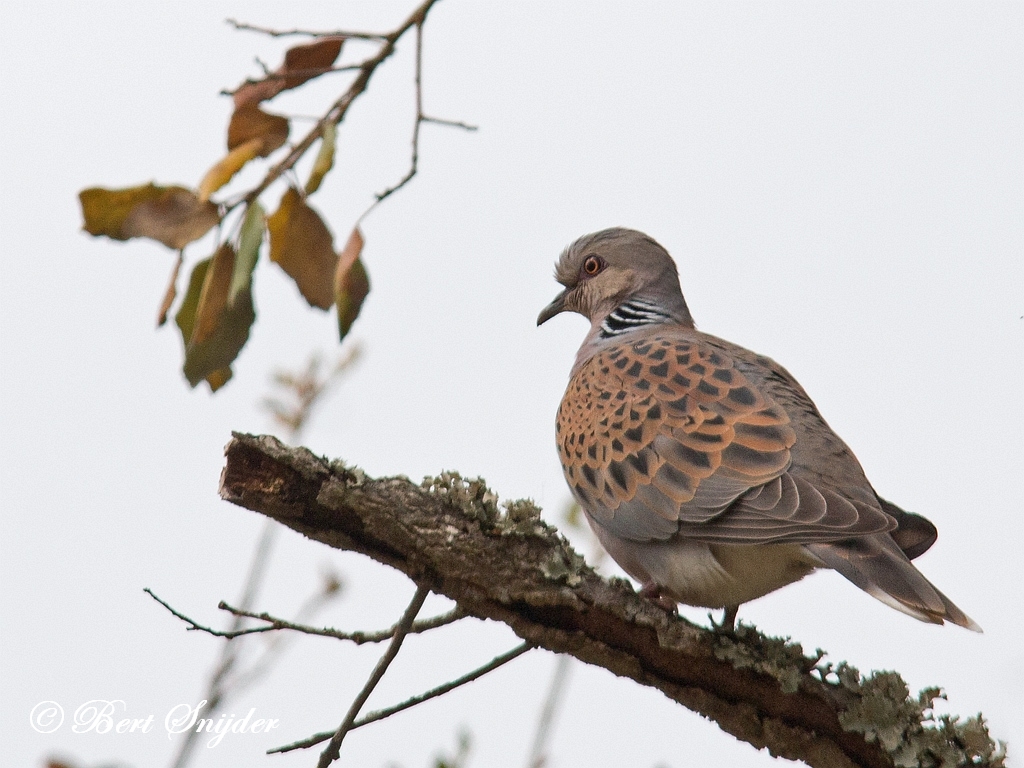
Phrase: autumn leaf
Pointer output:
(221, 173)
(351, 283)
(301, 64)
(212, 330)
(324, 158)
(250, 238)
(302, 245)
(304, 62)
(174, 216)
(214, 296)
(219, 378)
(249, 122)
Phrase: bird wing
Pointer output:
(667, 435)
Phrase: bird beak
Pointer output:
(552, 309)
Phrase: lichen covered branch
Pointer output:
(503, 563)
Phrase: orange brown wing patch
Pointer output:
(672, 414)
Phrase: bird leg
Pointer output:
(728, 623)
(653, 592)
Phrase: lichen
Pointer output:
(472, 497)
(564, 564)
(881, 707)
(909, 729)
(775, 656)
(353, 475)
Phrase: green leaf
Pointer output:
(186, 317)
(212, 330)
(250, 238)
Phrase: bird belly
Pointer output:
(709, 575)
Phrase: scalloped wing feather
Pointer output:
(667, 435)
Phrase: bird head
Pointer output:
(602, 270)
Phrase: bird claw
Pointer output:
(728, 623)
(653, 593)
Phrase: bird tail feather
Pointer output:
(879, 567)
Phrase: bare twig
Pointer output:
(276, 643)
(216, 690)
(337, 110)
(330, 754)
(433, 693)
(274, 624)
(307, 388)
(421, 118)
(314, 72)
(304, 32)
(381, 196)
(546, 721)
(451, 123)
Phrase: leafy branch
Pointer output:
(216, 313)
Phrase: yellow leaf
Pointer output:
(174, 216)
(324, 158)
(351, 283)
(221, 173)
(219, 378)
(302, 245)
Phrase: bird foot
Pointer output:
(653, 593)
(728, 623)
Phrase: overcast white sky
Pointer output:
(841, 184)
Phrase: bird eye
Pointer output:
(592, 265)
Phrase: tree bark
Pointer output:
(509, 566)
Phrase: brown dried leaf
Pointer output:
(174, 216)
(301, 243)
(208, 359)
(351, 283)
(171, 293)
(304, 62)
(221, 173)
(250, 122)
(255, 91)
(301, 63)
(214, 296)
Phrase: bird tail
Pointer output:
(879, 567)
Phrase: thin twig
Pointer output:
(216, 690)
(340, 107)
(547, 716)
(380, 714)
(359, 638)
(381, 196)
(275, 623)
(314, 72)
(304, 32)
(276, 644)
(451, 123)
(330, 754)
